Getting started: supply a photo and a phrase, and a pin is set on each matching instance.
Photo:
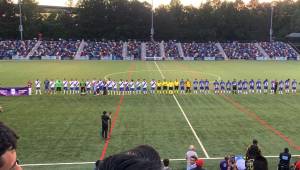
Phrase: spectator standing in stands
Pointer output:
(166, 163)
(105, 123)
(284, 160)
(8, 146)
(191, 152)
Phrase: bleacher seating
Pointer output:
(115, 50)
(236, 50)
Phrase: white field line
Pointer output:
(187, 120)
(85, 163)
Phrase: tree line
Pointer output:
(214, 20)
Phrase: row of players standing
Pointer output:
(163, 87)
(242, 86)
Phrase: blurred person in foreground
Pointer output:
(191, 152)
(8, 146)
(143, 157)
(166, 163)
(199, 165)
(284, 160)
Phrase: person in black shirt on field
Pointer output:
(284, 160)
(234, 86)
(105, 123)
(276, 85)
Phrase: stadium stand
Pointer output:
(171, 50)
(153, 49)
(279, 49)
(236, 50)
(10, 48)
(136, 50)
(199, 51)
(109, 50)
(61, 49)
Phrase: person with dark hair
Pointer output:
(284, 160)
(143, 157)
(192, 163)
(224, 163)
(166, 163)
(105, 123)
(8, 146)
(252, 150)
(251, 154)
(260, 162)
(97, 163)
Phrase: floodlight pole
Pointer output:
(152, 23)
(271, 24)
(21, 22)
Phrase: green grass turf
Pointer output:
(66, 128)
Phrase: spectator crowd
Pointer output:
(116, 49)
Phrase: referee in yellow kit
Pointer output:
(188, 85)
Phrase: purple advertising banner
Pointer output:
(14, 91)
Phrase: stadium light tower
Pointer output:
(21, 22)
(271, 21)
(152, 24)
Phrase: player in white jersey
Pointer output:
(281, 85)
(144, 86)
(38, 87)
(127, 89)
(294, 86)
(272, 87)
(287, 86)
(52, 86)
(72, 89)
(115, 87)
(65, 84)
(94, 86)
(88, 87)
(138, 85)
(121, 87)
(132, 87)
(109, 86)
(77, 90)
(153, 86)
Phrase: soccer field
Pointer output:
(65, 128)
